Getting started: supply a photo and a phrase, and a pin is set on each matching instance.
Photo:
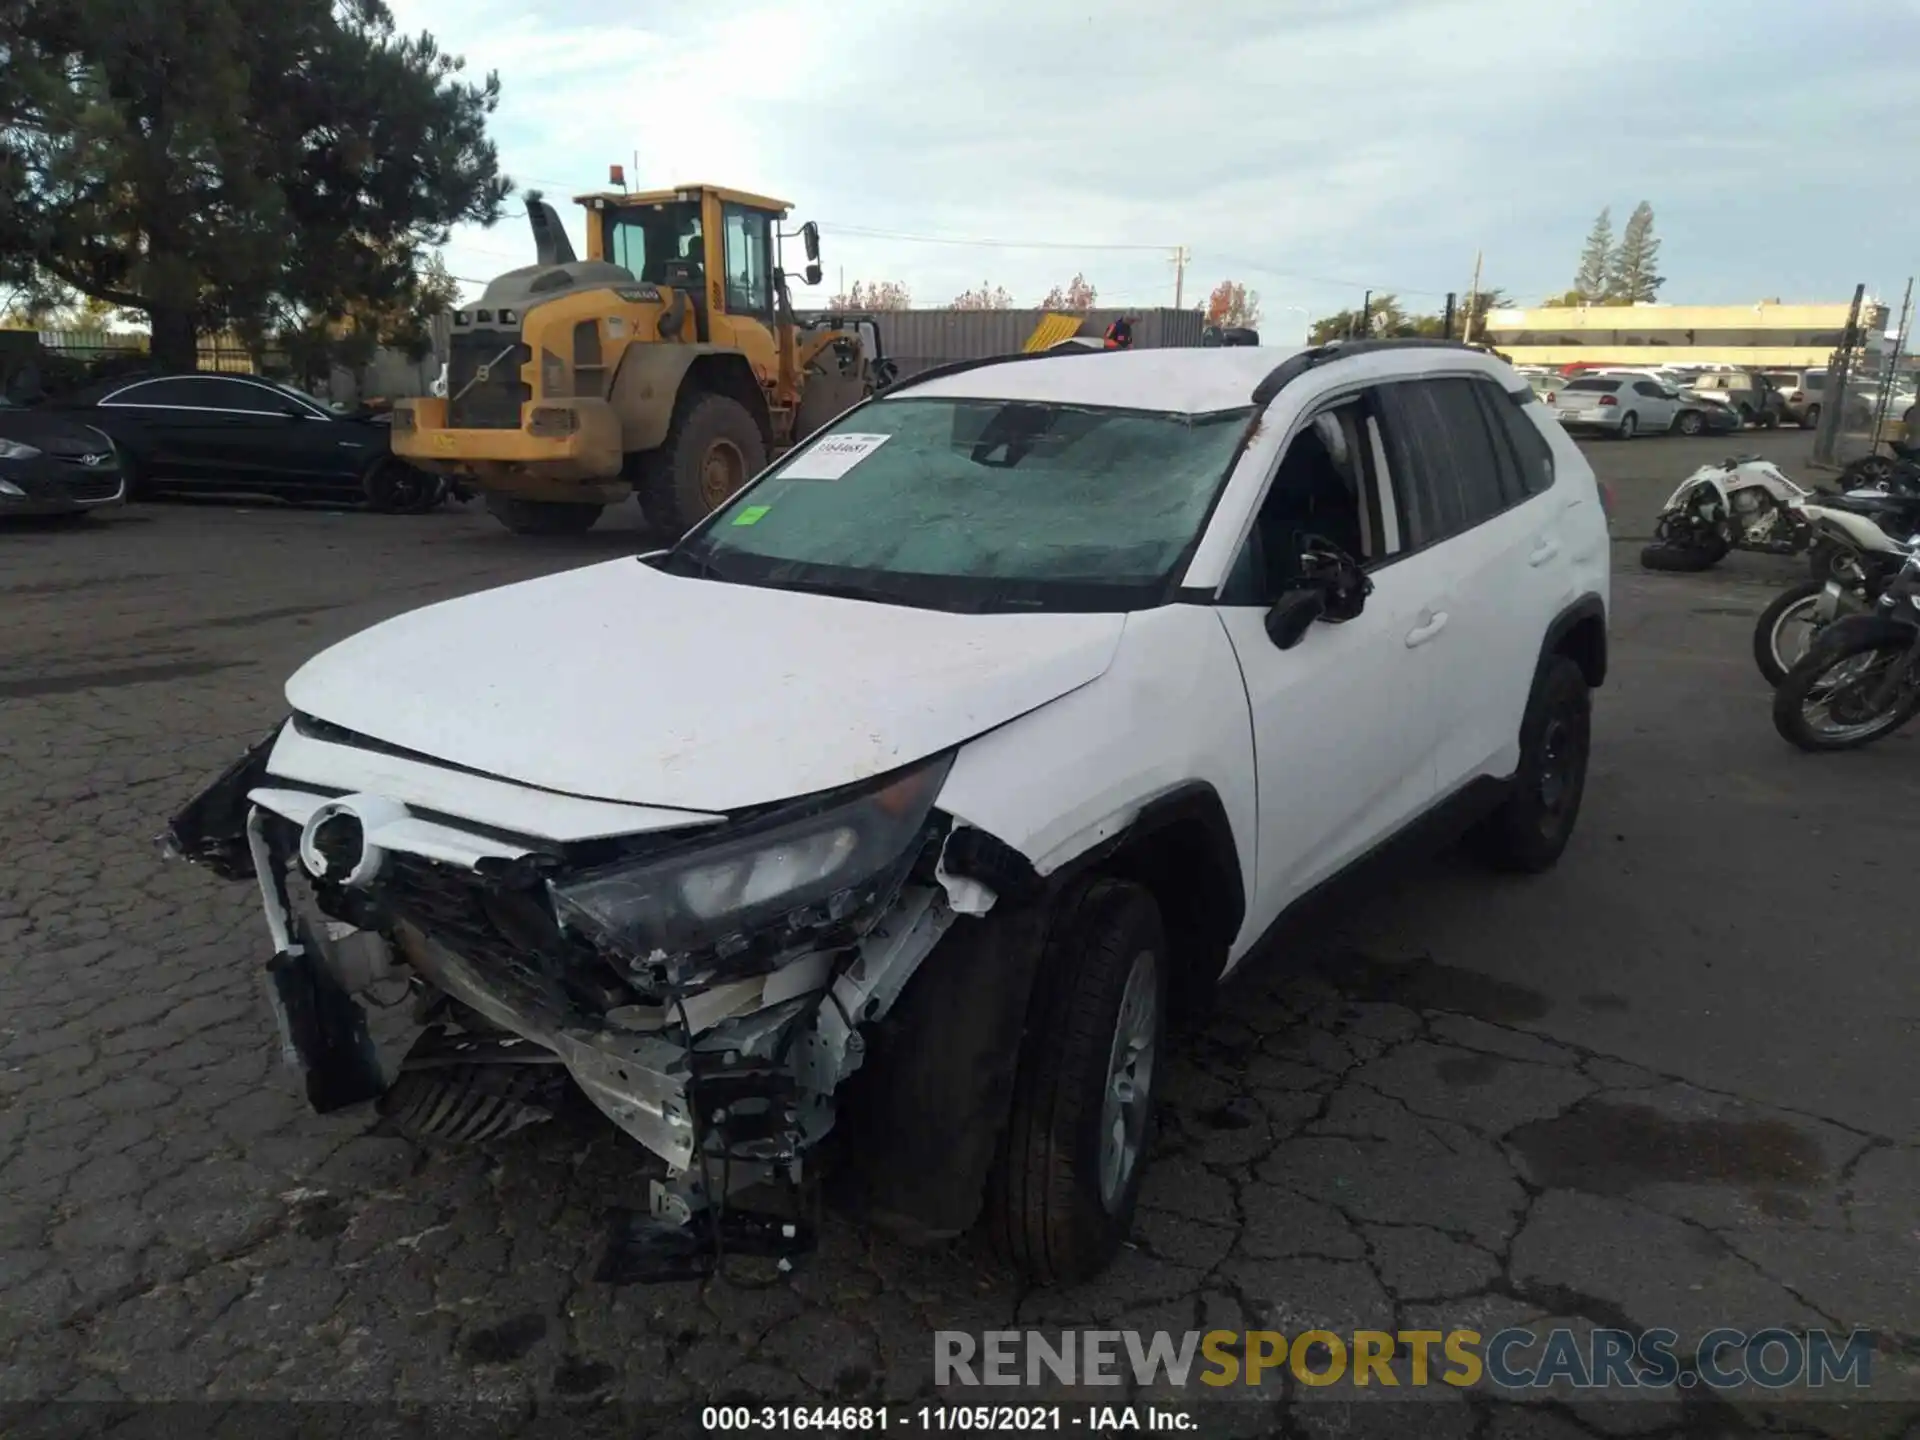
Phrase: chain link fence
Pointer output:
(1868, 394)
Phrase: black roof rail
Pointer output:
(1296, 365)
(960, 367)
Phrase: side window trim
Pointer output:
(1382, 504)
(1384, 491)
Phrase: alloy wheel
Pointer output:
(1127, 1099)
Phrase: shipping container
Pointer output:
(917, 340)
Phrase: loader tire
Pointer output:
(713, 448)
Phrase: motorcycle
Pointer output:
(1897, 470)
(1863, 559)
(1743, 503)
(1860, 679)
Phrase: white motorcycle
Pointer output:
(1863, 559)
(1743, 503)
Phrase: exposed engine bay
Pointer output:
(705, 987)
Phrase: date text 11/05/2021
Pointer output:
(979, 1419)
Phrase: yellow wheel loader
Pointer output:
(668, 363)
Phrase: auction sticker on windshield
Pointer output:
(833, 457)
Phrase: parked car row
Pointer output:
(139, 435)
(1627, 403)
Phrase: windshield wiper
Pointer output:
(694, 564)
(838, 591)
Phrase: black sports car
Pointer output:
(243, 434)
(53, 465)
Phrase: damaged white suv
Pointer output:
(900, 799)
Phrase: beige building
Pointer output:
(1767, 334)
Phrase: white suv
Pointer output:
(902, 797)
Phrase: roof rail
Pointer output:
(1296, 365)
(960, 367)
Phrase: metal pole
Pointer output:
(1366, 317)
(1446, 328)
(1893, 368)
(1180, 257)
(1826, 438)
(1473, 299)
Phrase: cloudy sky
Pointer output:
(1307, 148)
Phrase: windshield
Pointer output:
(298, 393)
(646, 239)
(979, 505)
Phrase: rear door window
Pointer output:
(1521, 443)
(1456, 478)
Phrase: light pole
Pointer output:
(1306, 323)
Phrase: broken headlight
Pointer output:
(820, 872)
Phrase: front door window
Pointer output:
(749, 260)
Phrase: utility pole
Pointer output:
(1473, 297)
(1181, 255)
(1446, 328)
(1366, 317)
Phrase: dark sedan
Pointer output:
(1706, 415)
(243, 434)
(53, 465)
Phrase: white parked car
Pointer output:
(902, 797)
(1621, 405)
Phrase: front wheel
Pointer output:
(394, 487)
(713, 447)
(1788, 627)
(1533, 824)
(1691, 422)
(1061, 1197)
(542, 517)
(1832, 700)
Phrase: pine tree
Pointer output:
(1631, 277)
(1596, 259)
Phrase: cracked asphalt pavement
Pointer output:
(1673, 1083)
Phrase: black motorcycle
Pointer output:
(1862, 559)
(1860, 679)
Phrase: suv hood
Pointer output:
(619, 682)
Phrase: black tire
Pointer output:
(1691, 422)
(393, 487)
(1791, 696)
(713, 447)
(1527, 834)
(1810, 417)
(1746, 415)
(134, 474)
(1766, 630)
(1867, 471)
(468, 1104)
(1629, 426)
(1047, 1211)
(1681, 559)
(1823, 556)
(542, 517)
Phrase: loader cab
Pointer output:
(718, 246)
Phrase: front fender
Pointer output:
(1859, 632)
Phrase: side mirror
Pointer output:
(813, 271)
(1293, 615)
(810, 237)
